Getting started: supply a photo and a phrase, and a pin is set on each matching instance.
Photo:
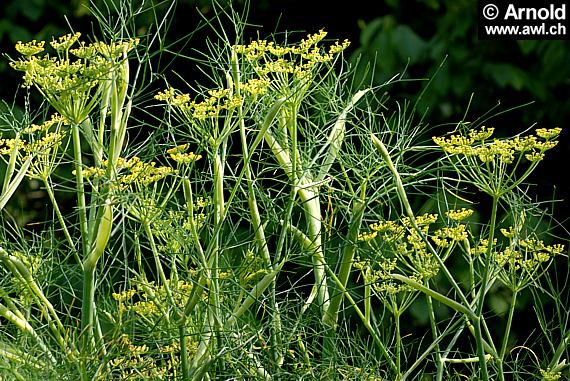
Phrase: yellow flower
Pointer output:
(180, 155)
(367, 236)
(482, 134)
(459, 215)
(63, 43)
(548, 133)
(457, 233)
(509, 233)
(534, 156)
(30, 48)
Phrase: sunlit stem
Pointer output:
(219, 204)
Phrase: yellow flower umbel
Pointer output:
(204, 116)
(288, 70)
(491, 165)
(41, 143)
(72, 86)
(524, 259)
(180, 155)
(405, 251)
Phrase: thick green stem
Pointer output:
(396, 313)
(87, 306)
(219, 204)
(25, 327)
(183, 353)
(312, 207)
(20, 271)
(80, 189)
(104, 227)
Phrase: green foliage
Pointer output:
(260, 226)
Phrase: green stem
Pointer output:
(306, 242)
(87, 306)
(367, 296)
(25, 327)
(555, 362)
(507, 333)
(155, 254)
(434, 331)
(20, 271)
(312, 208)
(183, 353)
(483, 289)
(396, 313)
(80, 189)
(219, 204)
(485, 277)
(158, 263)
(481, 351)
(437, 296)
(104, 225)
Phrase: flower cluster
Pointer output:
(459, 215)
(129, 172)
(181, 155)
(550, 375)
(69, 85)
(172, 229)
(523, 258)
(41, 142)
(272, 62)
(492, 165)
(252, 269)
(149, 300)
(505, 151)
(216, 102)
(141, 362)
(482, 247)
(378, 273)
(405, 248)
